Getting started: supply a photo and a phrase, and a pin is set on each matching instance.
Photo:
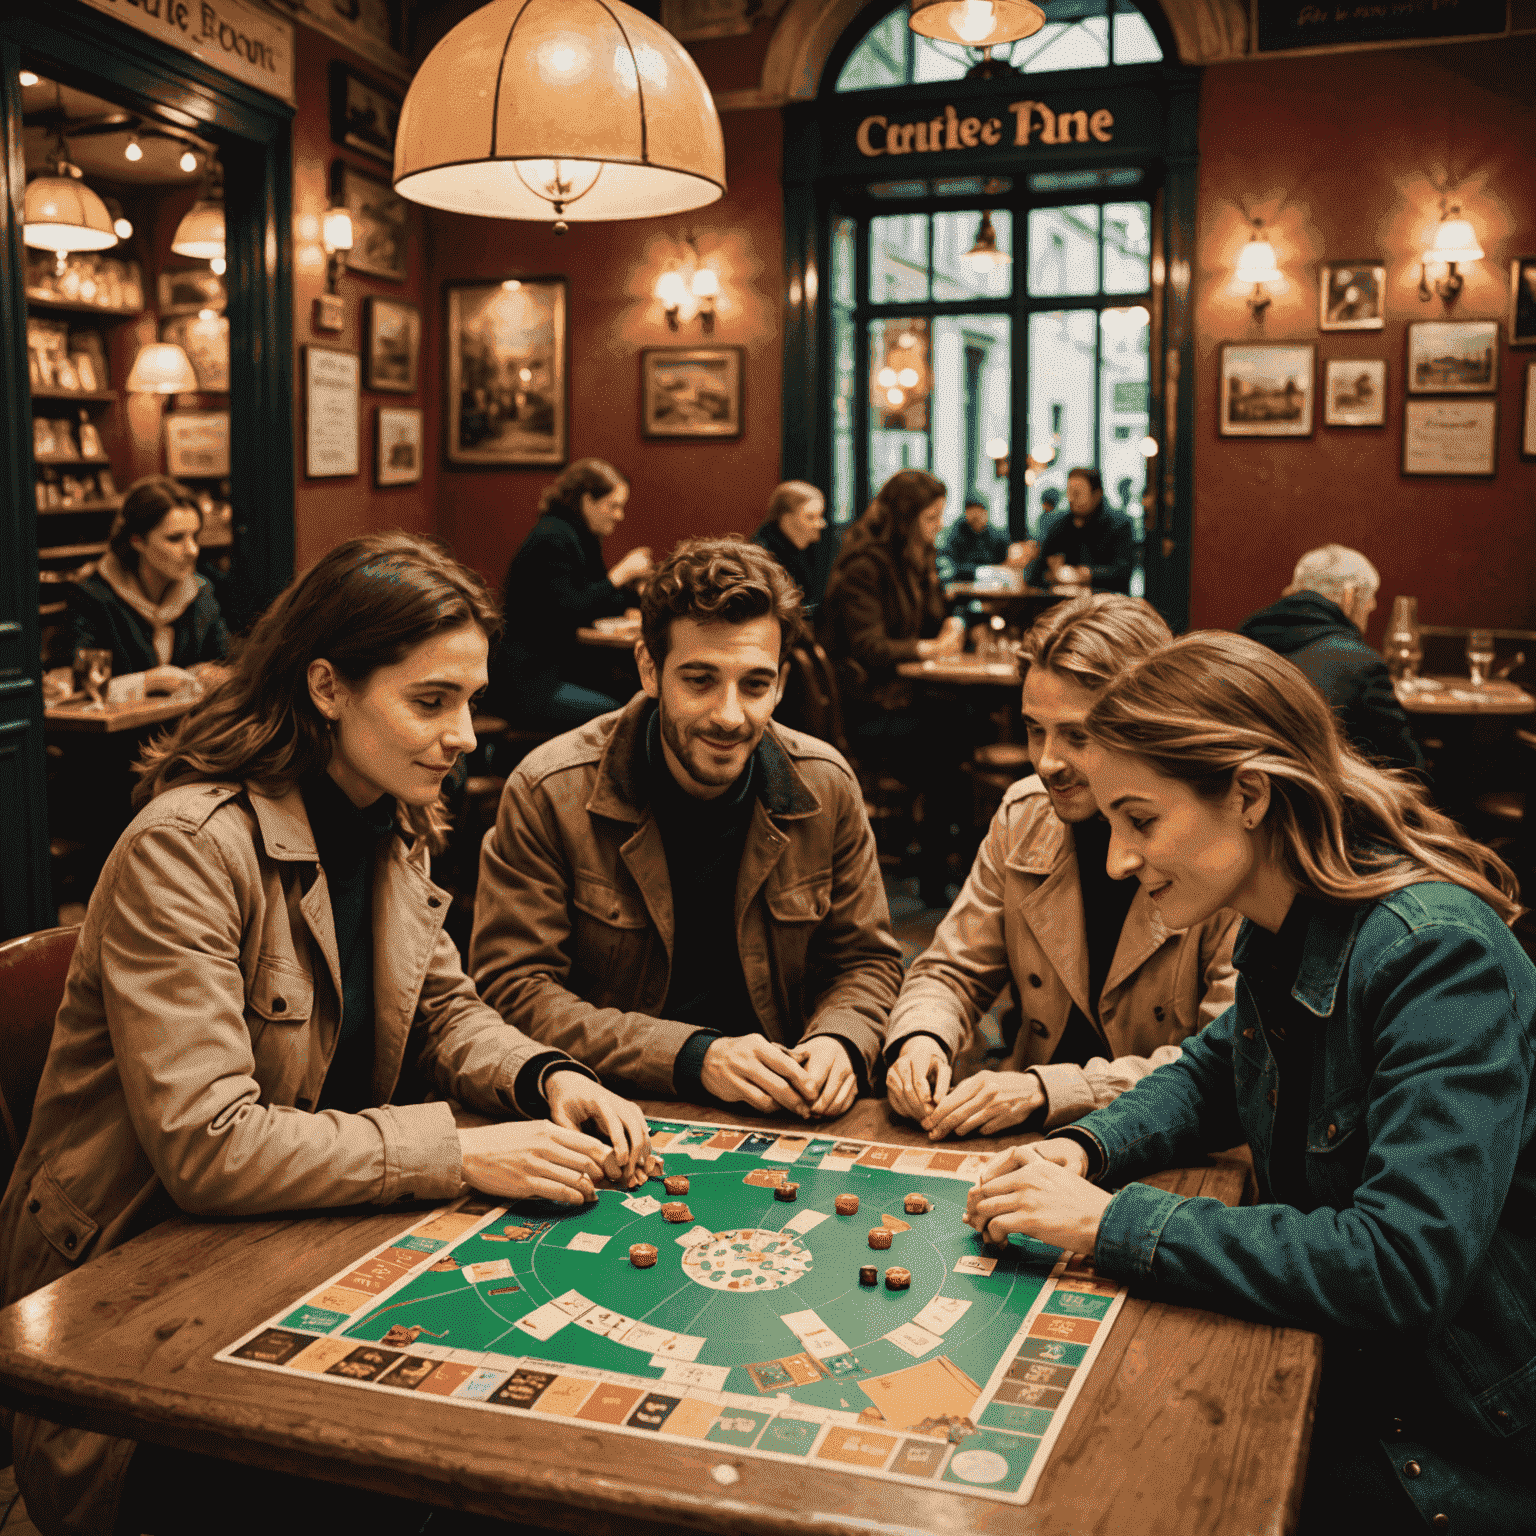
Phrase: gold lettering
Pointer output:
(935, 134)
(951, 126)
(1048, 123)
(1023, 118)
(969, 130)
(907, 131)
(1067, 121)
(992, 130)
(866, 147)
(921, 129)
(1100, 124)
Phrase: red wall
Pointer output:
(1343, 157)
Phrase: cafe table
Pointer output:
(110, 719)
(610, 639)
(1450, 695)
(964, 671)
(1191, 1423)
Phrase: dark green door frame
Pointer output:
(80, 47)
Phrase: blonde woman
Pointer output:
(1378, 1060)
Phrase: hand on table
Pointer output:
(987, 1102)
(1023, 552)
(919, 1077)
(1040, 1191)
(169, 679)
(574, 1099)
(632, 567)
(831, 1073)
(755, 1070)
(532, 1157)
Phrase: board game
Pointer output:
(751, 1328)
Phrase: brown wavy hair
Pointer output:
(147, 504)
(887, 523)
(1210, 705)
(596, 478)
(365, 605)
(725, 579)
(1092, 640)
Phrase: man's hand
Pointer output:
(919, 1078)
(533, 1157)
(1034, 1194)
(752, 1069)
(574, 1099)
(988, 1102)
(831, 1071)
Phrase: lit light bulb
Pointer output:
(706, 283)
(217, 265)
(526, 375)
(997, 448)
(1149, 447)
(133, 150)
(188, 161)
(895, 397)
(122, 229)
(907, 378)
(972, 21)
(511, 285)
(671, 289)
(906, 339)
(886, 378)
(26, 78)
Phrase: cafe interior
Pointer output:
(1267, 270)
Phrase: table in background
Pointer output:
(1457, 696)
(609, 639)
(963, 672)
(110, 719)
(1019, 608)
(1467, 734)
(1191, 1423)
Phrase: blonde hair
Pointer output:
(1211, 705)
(1331, 568)
(1092, 640)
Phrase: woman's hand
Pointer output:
(919, 1077)
(987, 1102)
(532, 1157)
(632, 567)
(574, 1099)
(1029, 1190)
(169, 679)
(833, 1079)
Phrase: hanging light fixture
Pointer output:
(1255, 268)
(60, 213)
(1455, 243)
(984, 255)
(200, 234)
(161, 368)
(976, 23)
(571, 109)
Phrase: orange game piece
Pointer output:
(675, 1210)
(847, 1205)
(642, 1255)
(916, 1205)
(676, 1184)
(879, 1237)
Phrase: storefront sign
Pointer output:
(1026, 122)
(1287, 24)
(231, 36)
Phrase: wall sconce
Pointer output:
(1255, 268)
(689, 288)
(336, 237)
(1455, 241)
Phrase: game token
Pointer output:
(879, 1237)
(869, 1275)
(675, 1210)
(898, 1279)
(785, 1191)
(916, 1205)
(642, 1255)
(847, 1205)
(676, 1184)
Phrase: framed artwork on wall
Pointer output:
(1266, 389)
(380, 223)
(1354, 392)
(332, 382)
(1351, 296)
(1453, 357)
(1450, 437)
(364, 116)
(505, 380)
(188, 290)
(205, 340)
(1522, 302)
(391, 345)
(398, 445)
(1528, 415)
(691, 391)
(197, 443)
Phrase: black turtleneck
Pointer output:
(1105, 904)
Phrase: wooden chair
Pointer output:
(815, 703)
(32, 972)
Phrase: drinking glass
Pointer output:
(1479, 656)
(1403, 650)
(93, 671)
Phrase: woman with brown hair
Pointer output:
(1378, 1060)
(262, 998)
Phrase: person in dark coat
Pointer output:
(1091, 545)
(1317, 624)
(797, 514)
(146, 603)
(972, 541)
(557, 583)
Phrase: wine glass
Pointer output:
(93, 671)
(1403, 649)
(1479, 656)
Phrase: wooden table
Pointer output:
(964, 671)
(109, 719)
(609, 639)
(1450, 695)
(1191, 1423)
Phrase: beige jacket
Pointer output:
(573, 918)
(1020, 918)
(199, 1018)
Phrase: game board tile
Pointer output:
(1025, 1395)
(414, 1242)
(788, 1436)
(660, 1139)
(991, 1458)
(945, 1162)
(942, 1313)
(408, 1373)
(915, 1340)
(786, 1149)
(652, 1411)
(914, 1161)
(1018, 1417)
(1052, 1351)
(1086, 1287)
(522, 1389)
(919, 1458)
(1075, 1304)
(1075, 1330)
(609, 1404)
(447, 1227)
(738, 1426)
(337, 1298)
(975, 1264)
(879, 1157)
(320, 1356)
(565, 1395)
(856, 1447)
(758, 1142)
(684, 1373)
(641, 1336)
(727, 1141)
(314, 1319)
(480, 1383)
(446, 1379)
(692, 1418)
(1038, 1374)
(572, 1303)
(681, 1346)
(273, 1346)
(488, 1269)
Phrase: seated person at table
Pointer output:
(971, 541)
(556, 584)
(263, 993)
(1107, 988)
(683, 894)
(1378, 1061)
(1089, 545)
(1318, 624)
(797, 514)
(146, 603)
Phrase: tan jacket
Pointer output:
(1020, 918)
(573, 920)
(199, 1018)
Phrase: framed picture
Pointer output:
(332, 384)
(205, 340)
(1354, 392)
(397, 459)
(690, 391)
(506, 372)
(364, 116)
(1266, 389)
(380, 223)
(1453, 357)
(187, 292)
(391, 345)
(197, 443)
(1522, 302)
(1528, 415)
(1450, 437)
(1351, 296)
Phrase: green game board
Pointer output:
(752, 1329)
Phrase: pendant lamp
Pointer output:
(62, 214)
(984, 255)
(563, 109)
(161, 368)
(976, 23)
(201, 231)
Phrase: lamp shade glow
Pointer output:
(1257, 262)
(976, 23)
(336, 230)
(201, 231)
(984, 255)
(566, 109)
(1455, 240)
(161, 368)
(63, 214)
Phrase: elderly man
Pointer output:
(1317, 624)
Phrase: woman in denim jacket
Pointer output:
(1378, 1060)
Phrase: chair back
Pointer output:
(821, 706)
(32, 972)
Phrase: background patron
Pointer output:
(797, 514)
(1091, 546)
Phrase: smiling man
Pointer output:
(1105, 986)
(683, 894)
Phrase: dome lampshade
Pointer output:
(976, 23)
(1455, 240)
(162, 368)
(565, 109)
(201, 231)
(1256, 264)
(63, 214)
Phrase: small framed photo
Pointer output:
(1354, 392)
(1266, 389)
(364, 116)
(197, 443)
(1351, 296)
(380, 223)
(398, 445)
(1453, 357)
(205, 340)
(1450, 437)
(691, 391)
(331, 402)
(193, 289)
(1528, 415)
(391, 346)
(1522, 302)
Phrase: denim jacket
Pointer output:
(1419, 1160)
